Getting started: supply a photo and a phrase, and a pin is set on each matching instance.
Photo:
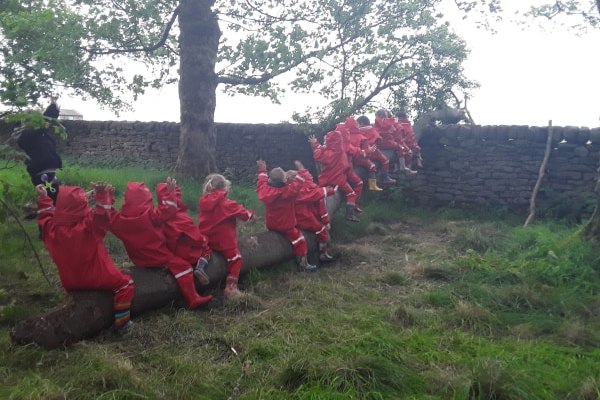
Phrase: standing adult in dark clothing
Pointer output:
(40, 147)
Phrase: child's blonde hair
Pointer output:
(277, 175)
(216, 181)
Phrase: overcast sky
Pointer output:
(527, 77)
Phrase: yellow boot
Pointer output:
(373, 185)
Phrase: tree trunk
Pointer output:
(85, 314)
(198, 47)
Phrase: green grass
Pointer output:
(421, 304)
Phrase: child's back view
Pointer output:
(140, 226)
(217, 220)
(73, 235)
(279, 198)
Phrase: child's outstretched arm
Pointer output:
(104, 193)
(168, 207)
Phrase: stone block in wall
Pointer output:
(501, 133)
(581, 151)
(570, 134)
(595, 136)
(539, 133)
(557, 135)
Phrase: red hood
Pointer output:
(384, 122)
(137, 199)
(351, 125)
(211, 199)
(162, 192)
(333, 140)
(71, 205)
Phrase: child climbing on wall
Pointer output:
(73, 233)
(217, 220)
(279, 198)
(140, 226)
(183, 236)
(334, 168)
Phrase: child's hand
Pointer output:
(171, 184)
(41, 190)
(372, 148)
(262, 165)
(312, 139)
(298, 165)
(102, 187)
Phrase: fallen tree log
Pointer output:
(86, 313)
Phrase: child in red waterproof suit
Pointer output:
(363, 159)
(311, 208)
(409, 139)
(279, 198)
(73, 235)
(140, 226)
(390, 140)
(373, 139)
(183, 236)
(217, 220)
(334, 168)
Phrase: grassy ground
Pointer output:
(420, 305)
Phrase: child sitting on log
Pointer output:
(140, 225)
(335, 168)
(311, 208)
(279, 198)
(73, 233)
(217, 217)
(183, 236)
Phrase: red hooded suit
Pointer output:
(217, 220)
(73, 235)
(183, 236)
(141, 228)
(311, 209)
(279, 209)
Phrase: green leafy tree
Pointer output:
(353, 53)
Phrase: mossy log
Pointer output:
(86, 313)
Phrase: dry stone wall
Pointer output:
(497, 167)
(488, 167)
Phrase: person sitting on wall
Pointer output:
(335, 165)
(385, 125)
(363, 159)
(373, 139)
(409, 139)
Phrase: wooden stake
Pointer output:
(541, 174)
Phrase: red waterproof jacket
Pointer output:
(352, 149)
(73, 235)
(409, 135)
(310, 207)
(387, 131)
(280, 214)
(140, 225)
(217, 219)
(371, 134)
(333, 159)
(183, 236)
(356, 137)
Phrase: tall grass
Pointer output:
(421, 304)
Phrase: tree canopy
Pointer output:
(350, 52)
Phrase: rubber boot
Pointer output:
(350, 213)
(404, 168)
(231, 286)
(373, 185)
(200, 271)
(188, 291)
(304, 266)
(324, 256)
(386, 179)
